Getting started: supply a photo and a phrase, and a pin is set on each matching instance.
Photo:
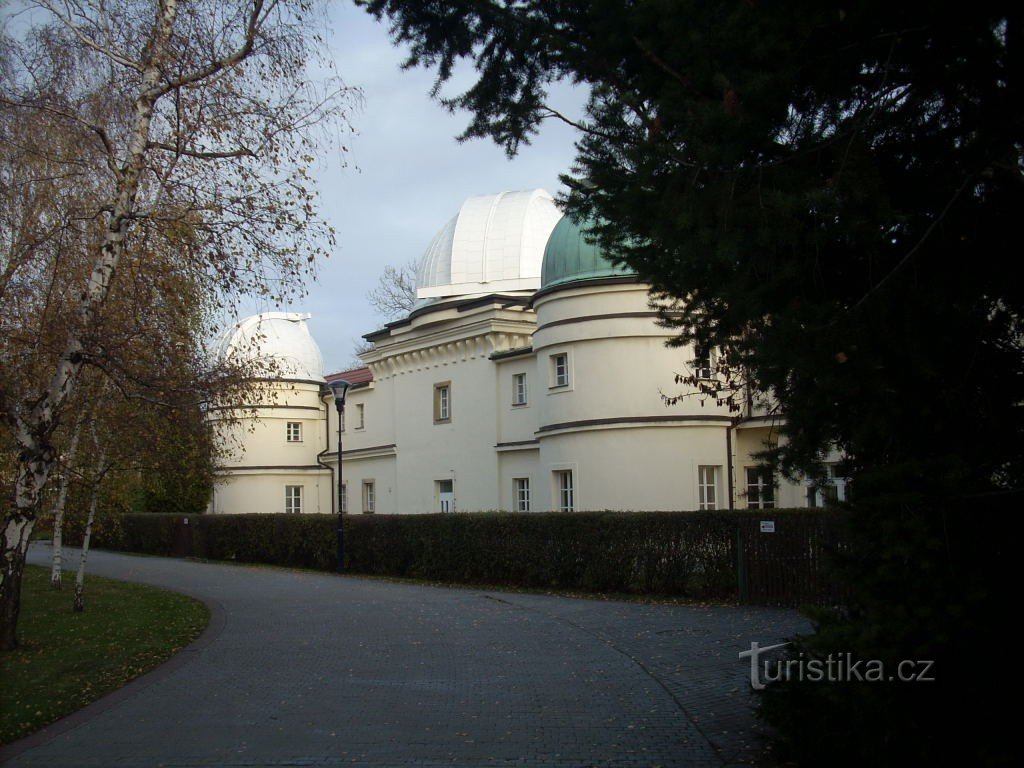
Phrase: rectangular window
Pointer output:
(702, 364)
(564, 502)
(519, 389)
(443, 402)
(293, 499)
(834, 490)
(360, 416)
(707, 486)
(369, 497)
(559, 370)
(445, 495)
(342, 422)
(344, 497)
(521, 486)
(294, 431)
(760, 488)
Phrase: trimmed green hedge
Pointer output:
(690, 554)
(667, 553)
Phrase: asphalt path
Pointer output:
(299, 668)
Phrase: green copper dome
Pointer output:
(569, 258)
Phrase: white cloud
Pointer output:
(406, 176)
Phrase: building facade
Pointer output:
(530, 376)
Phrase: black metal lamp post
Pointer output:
(340, 387)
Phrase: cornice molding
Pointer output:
(364, 453)
(619, 422)
(281, 468)
(518, 445)
(490, 336)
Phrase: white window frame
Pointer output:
(520, 393)
(344, 497)
(704, 365)
(521, 494)
(360, 416)
(565, 490)
(764, 481)
(443, 402)
(439, 494)
(707, 486)
(293, 432)
(561, 376)
(293, 499)
(835, 490)
(369, 497)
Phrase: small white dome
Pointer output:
(495, 244)
(279, 343)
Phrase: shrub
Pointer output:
(689, 554)
(925, 581)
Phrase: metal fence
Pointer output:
(786, 558)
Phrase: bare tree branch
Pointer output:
(395, 294)
(88, 41)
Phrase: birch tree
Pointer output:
(100, 470)
(124, 125)
(67, 463)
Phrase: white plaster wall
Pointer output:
(259, 461)
(461, 450)
(567, 303)
(262, 441)
(747, 442)
(379, 469)
(378, 418)
(522, 463)
(454, 346)
(619, 366)
(263, 492)
(517, 423)
(645, 456)
(633, 468)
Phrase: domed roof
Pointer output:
(569, 258)
(494, 244)
(278, 343)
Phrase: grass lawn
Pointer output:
(67, 660)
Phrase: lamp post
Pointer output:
(340, 387)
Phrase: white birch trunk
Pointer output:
(56, 575)
(34, 430)
(86, 539)
(94, 495)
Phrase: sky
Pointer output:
(405, 177)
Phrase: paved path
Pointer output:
(311, 669)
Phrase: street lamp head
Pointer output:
(339, 387)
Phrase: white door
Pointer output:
(446, 495)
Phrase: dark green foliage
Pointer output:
(690, 554)
(944, 589)
(828, 195)
(301, 541)
(644, 553)
(177, 466)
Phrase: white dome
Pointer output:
(279, 343)
(495, 244)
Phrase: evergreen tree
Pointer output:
(827, 194)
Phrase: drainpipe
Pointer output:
(327, 449)
(729, 465)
